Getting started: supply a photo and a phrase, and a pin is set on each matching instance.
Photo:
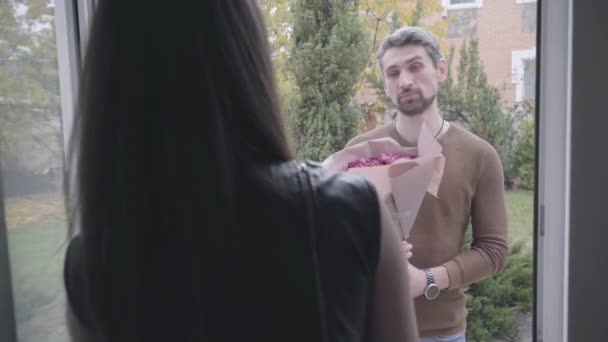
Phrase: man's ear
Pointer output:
(442, 69)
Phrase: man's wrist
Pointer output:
(417, 281)
(421, 284)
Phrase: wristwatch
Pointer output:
(431, 291)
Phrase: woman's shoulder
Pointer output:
(346, 205)
(330, 187)
(343, 187)
(346, 202)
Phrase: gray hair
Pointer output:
(411, 35)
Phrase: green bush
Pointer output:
(494, 303)
(467, 97)
(486, 320)
(524, 152)
(329, 53)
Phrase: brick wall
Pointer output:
(502, 27)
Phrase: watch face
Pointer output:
(432, 291)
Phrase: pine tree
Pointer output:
(29, 85)
(328, 56)
(476, 104)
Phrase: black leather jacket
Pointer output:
(311, 280)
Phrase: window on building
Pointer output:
(461, 4)
(528, 16)
(523, 63)
(529, 79)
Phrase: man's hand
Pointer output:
(407, 247)
(417, 281)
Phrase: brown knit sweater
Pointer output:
(471, 191)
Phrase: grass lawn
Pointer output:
(36, 255)
(520, 206)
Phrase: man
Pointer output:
(472, 189)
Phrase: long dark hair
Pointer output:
(177, 110)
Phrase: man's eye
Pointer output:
(415, 67)
(393, 74)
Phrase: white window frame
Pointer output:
(8, 325)
(68, 60)
(524, 1)
(518, 59)
(447, 5)
(86, 9)
(554, 146)
(70, 53)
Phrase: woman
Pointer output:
(194, 225)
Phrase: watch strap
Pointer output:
(430, 277)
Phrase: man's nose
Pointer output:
(405, 81)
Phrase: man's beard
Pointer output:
(417, 106)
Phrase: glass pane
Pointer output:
(31, 159)
(490, 91)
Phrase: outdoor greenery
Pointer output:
(495, 304)
(467, 97)
(324, 107)
(36, 252)
(524, 149)
(327, 59)
(329, 82)
(29, 85)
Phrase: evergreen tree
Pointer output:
(473, 102)
(330, 50)
(524, 149)
(29, 85)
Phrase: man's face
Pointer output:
(411, 80)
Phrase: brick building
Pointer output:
(506, 31)
(506, 35)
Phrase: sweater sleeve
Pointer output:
(489, 248)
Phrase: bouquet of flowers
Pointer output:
(402, 176)
(384, 159)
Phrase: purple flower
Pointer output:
(384, 159)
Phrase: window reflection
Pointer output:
(31, 158)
